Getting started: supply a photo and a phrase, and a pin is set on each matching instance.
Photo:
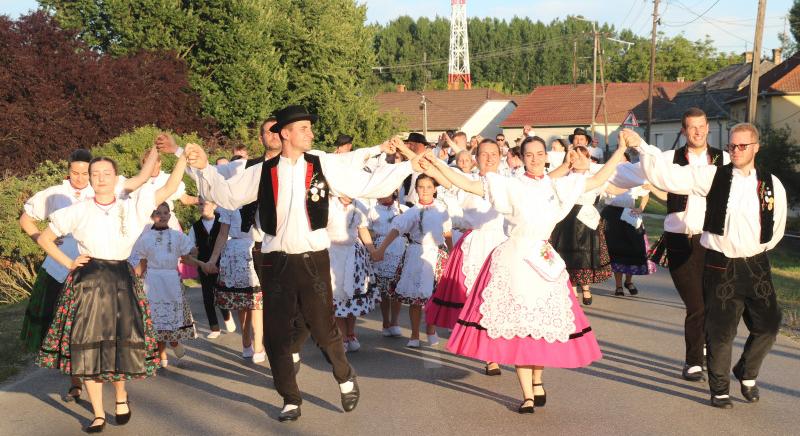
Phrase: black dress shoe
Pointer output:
(98, 428)
(750, 393)
(692, 376)
(539, 400)
(492, 371)
(526, 409)
(619, 292)
(123, 418)
(289, 415)
(721, 403)
(350, 399)
(587, 301)
(631, 288)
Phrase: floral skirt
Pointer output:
(187, 329)
(40, 310)
(84, 342)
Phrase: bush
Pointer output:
(780, 157)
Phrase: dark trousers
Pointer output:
(208, 283)
(297, 291)
(686, 258)
(736, 288)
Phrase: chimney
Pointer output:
(748, 57)
(401, 88)
(681, 79)
(776, 55)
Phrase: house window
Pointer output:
(659, 140)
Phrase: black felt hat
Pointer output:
(343, 139)
(289, 115)
(417, 137)
(578, 132)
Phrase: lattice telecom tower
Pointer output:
(458, 70)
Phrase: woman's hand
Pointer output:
(80, 261)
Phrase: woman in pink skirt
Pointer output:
(522, 310)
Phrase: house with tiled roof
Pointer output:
(555, 111)
(473, 111)
(778, 98)
(710, 94)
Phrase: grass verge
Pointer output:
(12, 355)
(785, 263)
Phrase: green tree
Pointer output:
(227, 44)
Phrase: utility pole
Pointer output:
(752, 99)
(594, 75)
(605, 103)
(652, 71)
(575, 63)
(424, 106)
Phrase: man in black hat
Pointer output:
(580, 137)
(417, 143)
(292, 190)
(343, 144)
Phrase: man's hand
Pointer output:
(196, 157)
(165, 143)
(390, 146)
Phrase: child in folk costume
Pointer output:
(522, 310)
(352, 276)
(238, 287)
(380, 217)
(204, 234)
(580, 238)
(428, 226)
(155, 257)
(104, 348)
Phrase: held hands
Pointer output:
(629, 139)
(196, 157)
(209, 268)
(165, 143)
(80, 261)
(390, 146)
(376, 255)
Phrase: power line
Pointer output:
(684, 7)
(622, 23)
(695, 18)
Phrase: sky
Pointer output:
(729, 23)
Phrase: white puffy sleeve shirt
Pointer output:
(105, 232)
(742, 232)
(424, 224)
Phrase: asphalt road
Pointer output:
(635, 389)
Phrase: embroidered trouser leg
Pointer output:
(686, 258)
(297, 289)
(736, 288)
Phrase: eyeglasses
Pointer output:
(741, 147)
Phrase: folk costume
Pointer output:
(51, 275)
(625, 234)
(238, 286)
(745, 217)
(683, 227)
(204, 234)
(293, 202)
(82, 341)
(170, 311)
(485, 230)
(426, 253)
(387, 271)
(522, 310)
(352, 275)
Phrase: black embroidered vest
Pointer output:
(317, 194)
(248, 211)
(407, 190)
(205, 240)
(717, 202)
(675, 202)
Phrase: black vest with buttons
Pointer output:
(675, 202)
(204, 239)
(717, 202)
(248, 211)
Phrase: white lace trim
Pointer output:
(476, 248)
(544, 313)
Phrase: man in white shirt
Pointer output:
(745, 216)
(292, 191)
